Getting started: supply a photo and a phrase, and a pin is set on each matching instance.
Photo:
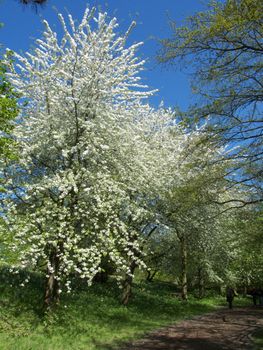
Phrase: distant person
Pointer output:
(230, 294)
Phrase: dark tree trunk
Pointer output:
(183, 267)
(51, 298)
(150, 276)
(101, 277)
(127, 285)
(245, 285)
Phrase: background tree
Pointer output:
(223, 45)
(189, 183)
(247, 267)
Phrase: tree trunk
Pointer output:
(51, 298)
(127, 285)
(150, 275)
(183, 267)
(222, 290)
(245, 284)
(201, 286)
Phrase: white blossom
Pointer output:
(82, 161)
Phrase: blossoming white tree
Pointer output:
(81, 174)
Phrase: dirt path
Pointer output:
(221, 330)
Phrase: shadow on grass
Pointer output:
(28, 297)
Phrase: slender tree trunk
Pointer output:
(201, 286)
(183, 267)
(150, 275)
(245, 285)
(127, 285)
(244, 290)
(222, 290)
(51, 298)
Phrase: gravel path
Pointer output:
(221, 330)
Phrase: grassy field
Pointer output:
(89, 318)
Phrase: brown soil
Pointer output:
(221, 330)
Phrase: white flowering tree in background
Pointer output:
(81, 177)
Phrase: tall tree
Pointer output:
(81, 171)
(223, 45)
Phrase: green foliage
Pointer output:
(248, 263)
(8, 110)
(223, 45)
(194, 216)
(89, 318)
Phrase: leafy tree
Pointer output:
(247, 265)
(198, 248)
(223, 45)
(190, 189)
(189, 205)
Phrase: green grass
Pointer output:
(90, 318)
(258, 339)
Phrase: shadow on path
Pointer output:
(221, 330)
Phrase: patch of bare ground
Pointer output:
(221, 330)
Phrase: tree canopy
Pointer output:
(223, 45)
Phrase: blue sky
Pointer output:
(22, 26)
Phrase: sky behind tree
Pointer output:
(22, 26)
